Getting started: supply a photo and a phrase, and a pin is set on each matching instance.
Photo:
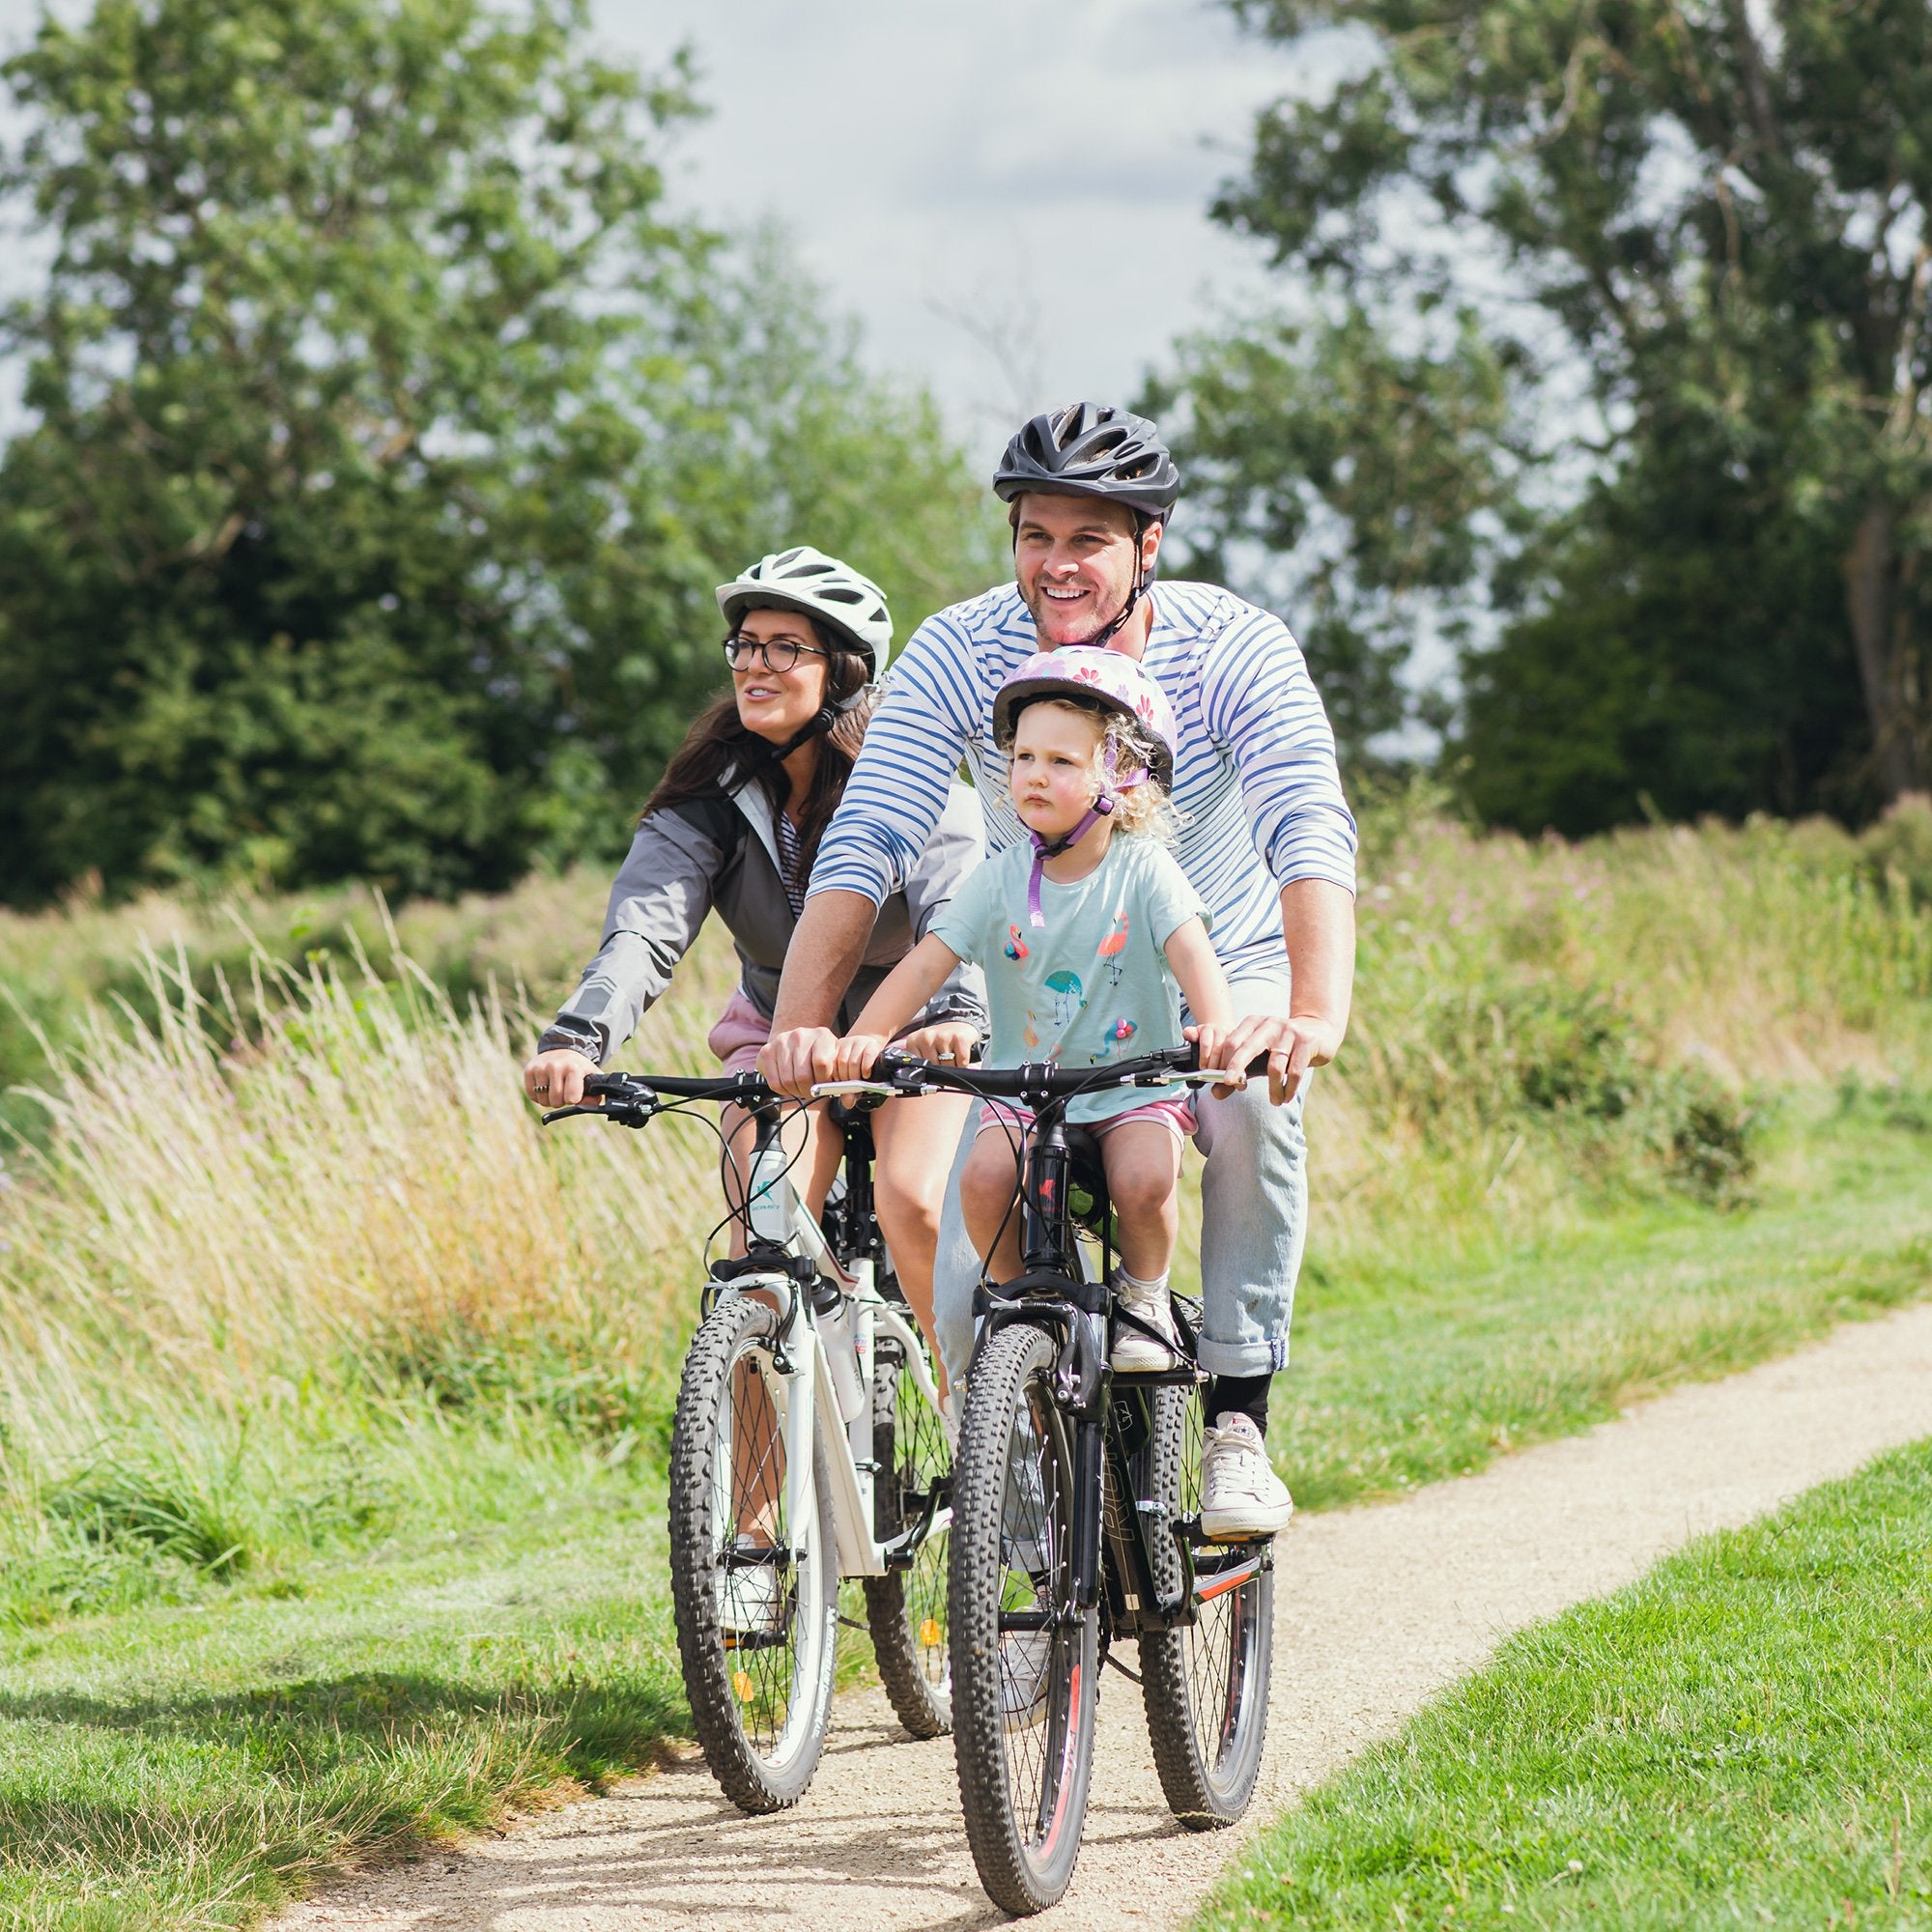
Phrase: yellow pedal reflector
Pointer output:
(929, 1632)
(742, 1683)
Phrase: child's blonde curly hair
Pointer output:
(1122, 744)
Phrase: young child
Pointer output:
(1084, 931)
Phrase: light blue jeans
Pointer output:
(1254, 1222)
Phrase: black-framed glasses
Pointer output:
(776, 653)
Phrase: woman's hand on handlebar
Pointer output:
(556, 1079)
(949, 1042)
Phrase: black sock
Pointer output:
(1242, 1395)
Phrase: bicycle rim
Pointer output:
(1024, 1658)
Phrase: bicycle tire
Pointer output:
(1205, 1684)
(1022, 1713)
(760, 1701)
(905, 1609)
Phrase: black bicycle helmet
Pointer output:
(1092, 449)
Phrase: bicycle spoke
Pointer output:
(763, 1664)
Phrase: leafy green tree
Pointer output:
(1709, 220)
(1349, 483)
(385, 439)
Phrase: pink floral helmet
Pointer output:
(1107, 679)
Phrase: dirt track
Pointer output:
(1378, 1608)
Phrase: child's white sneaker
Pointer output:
(1241, 1494)
(1135, 1352)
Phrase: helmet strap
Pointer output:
(816, 726)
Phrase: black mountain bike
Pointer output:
(808, 1445)
(1076, 1524)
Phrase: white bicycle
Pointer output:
(808, 1445)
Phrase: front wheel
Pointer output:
(1024, 1657)
(1206, 1683)
(912, 1492)
(754, 1592)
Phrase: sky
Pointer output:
(1010, 196)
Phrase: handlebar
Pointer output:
(895, 1073)
(632, 1098)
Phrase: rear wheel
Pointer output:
(754, 1592)
(1023, 1658)
(1206, 1683)
(912, 1488)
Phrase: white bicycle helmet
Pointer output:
(806, 580)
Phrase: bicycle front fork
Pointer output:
(1090, 1452)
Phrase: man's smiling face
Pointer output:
(1075, 559)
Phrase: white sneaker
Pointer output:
(1135, 1353)
(750, 1601)
(1241, 1494)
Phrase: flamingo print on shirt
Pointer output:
(1113, 944)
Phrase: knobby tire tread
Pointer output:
(999, 1371)
(744, 1777)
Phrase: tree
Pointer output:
(367, 517)
(1348, 482)
(1710, 218)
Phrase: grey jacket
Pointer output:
(721, 853)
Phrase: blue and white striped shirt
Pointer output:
(1255, 775)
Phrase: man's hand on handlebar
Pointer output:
(556, 1079)
(1295, 1045)
(791, 1063)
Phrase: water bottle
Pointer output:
(771, 1207)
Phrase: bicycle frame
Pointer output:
(1111, 1416)
(788, 1258)
(786, 1255)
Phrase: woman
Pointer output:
(733, 826)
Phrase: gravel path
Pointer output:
(1379, 1608)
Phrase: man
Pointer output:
(1266, 840)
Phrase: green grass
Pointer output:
(1742, 1738)
(1406, 1374)
(486, 1615)
(194, 1761)
(334, 1394)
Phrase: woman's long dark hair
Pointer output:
(719, 747)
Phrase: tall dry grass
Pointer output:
(281, 1230)
(286, 1240)
(1621, 1014)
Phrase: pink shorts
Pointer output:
(1176, 1115)
(741, 1030)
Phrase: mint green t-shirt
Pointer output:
(1092, 984)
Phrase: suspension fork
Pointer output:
(771, 1213)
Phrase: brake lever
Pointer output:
(626, 1113)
